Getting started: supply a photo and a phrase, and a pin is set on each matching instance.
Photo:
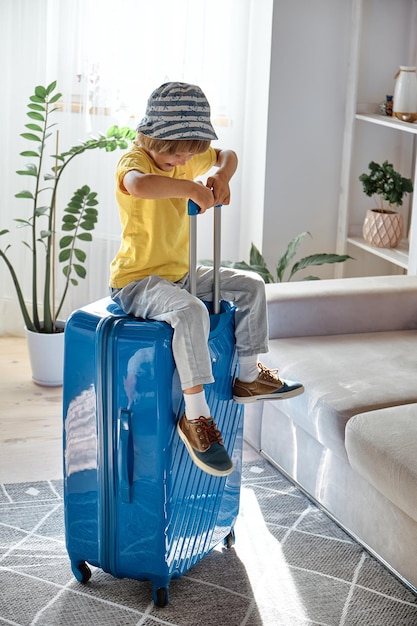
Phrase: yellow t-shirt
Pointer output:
(154, 232)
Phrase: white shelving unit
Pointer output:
(383, 37)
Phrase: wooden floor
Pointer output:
(30, 419)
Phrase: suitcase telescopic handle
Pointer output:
(193, 211)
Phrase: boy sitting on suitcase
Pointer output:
(149, 275)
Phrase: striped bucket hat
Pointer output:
(177, 111)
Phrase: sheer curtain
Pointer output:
(107, 58)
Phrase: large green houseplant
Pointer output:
(284, 270)
(383, 225)
(77, 219)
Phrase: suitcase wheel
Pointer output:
(229, 540)
(81, 571)
(161, 599)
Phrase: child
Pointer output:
(149, 275)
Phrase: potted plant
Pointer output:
(77, 221)
(383, 225)
(257, 262)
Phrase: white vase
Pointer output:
(46, 354)
(405, 94)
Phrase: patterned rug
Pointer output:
(290, 566)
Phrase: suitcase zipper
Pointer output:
(107, 501)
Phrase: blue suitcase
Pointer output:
(135, 504)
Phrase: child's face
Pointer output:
(166, 161)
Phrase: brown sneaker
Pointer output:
(205, 445)
(268, 386)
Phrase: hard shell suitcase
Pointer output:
(135, 504)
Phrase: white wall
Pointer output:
(310, 46)
(255, 127)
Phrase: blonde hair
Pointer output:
(172, 146)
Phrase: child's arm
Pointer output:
(153, 186)
(219, 182)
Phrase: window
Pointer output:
(107, 58)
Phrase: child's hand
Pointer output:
(203, 196)
(220, 187)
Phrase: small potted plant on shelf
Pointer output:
(383, 225)
(43, 219)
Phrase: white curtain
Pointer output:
(107, 58)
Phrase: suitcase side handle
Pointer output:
(193, 211)
(123, 449)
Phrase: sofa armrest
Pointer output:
(342, 306)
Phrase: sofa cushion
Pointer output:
(381, 447)
(344, 375)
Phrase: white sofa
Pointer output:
(350, 441)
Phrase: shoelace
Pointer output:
(271, 375)
(214, 435)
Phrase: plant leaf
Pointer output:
(80, 270)
(34, 127)
(67, 227)
(66, 241)
(262, 270)
(87, 225)
(40, 92)
(284, 261)
(64, 255)
(55, 98)
(36, 107)
(25, 194)
(255, 257)
(69, 219)
(30, 137)
(85, 236)
(29, 153)
(80, 255)
(318, 259)
(41, 210)
(90, 212)
(34, 115)
(30, 170)
(49, 88)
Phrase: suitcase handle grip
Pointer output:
(193, 208)
(123, 448)
(193, 211)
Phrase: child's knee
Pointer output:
(198, 309)
(194, 318)
(256, 286)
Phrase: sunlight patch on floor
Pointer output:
(266, 568)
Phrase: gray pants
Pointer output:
(159, 299)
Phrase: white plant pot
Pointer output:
(46, 354)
